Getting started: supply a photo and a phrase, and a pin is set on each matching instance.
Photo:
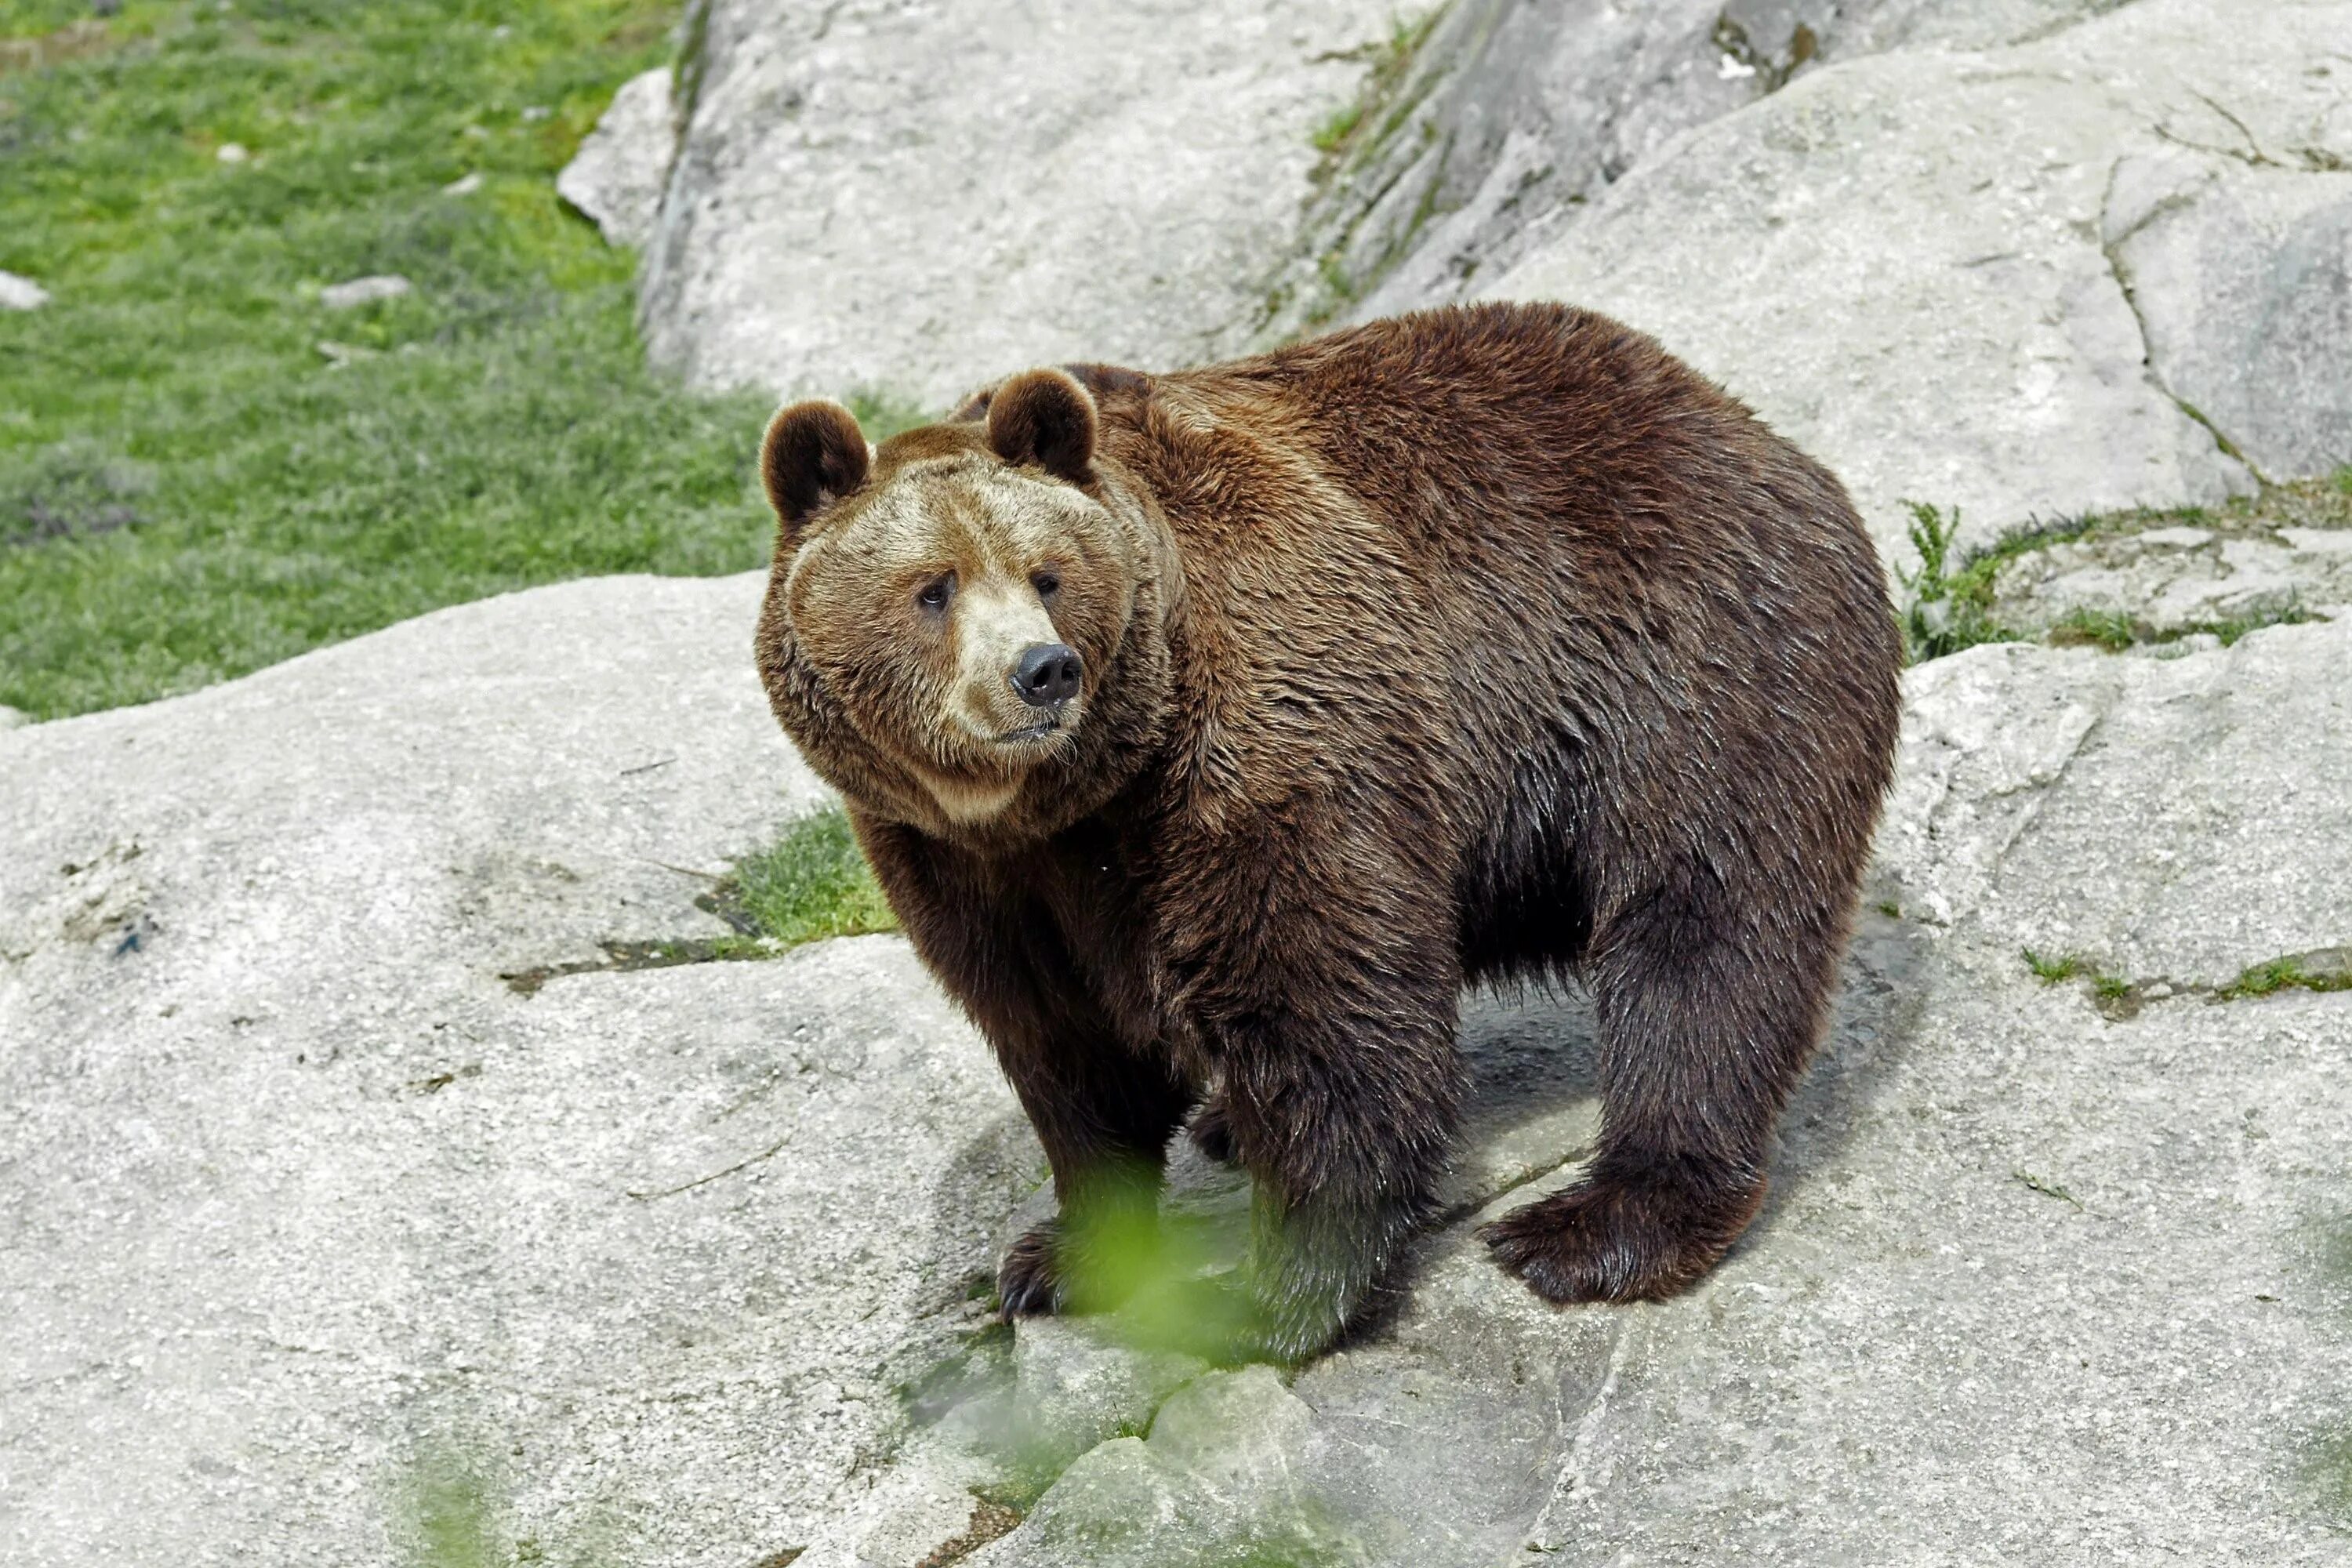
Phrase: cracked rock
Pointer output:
(1516, 113)
(2244, 282)
(1898, 260)
(305, 1205)
(2167, 583)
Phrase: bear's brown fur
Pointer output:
(1487, 643)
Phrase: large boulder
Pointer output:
(327, 1241)
(912, 200)
(2056, 1266)
(319, 1240)
(1515, 114)
(2102, 270)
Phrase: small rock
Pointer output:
(2178, 538)
(338, 355)
(364, 291)
(535, 112)
(231, 153)
(14, 717)
(20, 293)
(464, 186)
(618, 178)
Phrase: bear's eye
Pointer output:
(935, 593)
(1048, 583)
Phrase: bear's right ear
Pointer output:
(1045, 418)
(814, 453)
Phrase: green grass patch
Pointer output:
(2327, 969)
(2116, 632)
(2053, 969)
(1950, 591)
(202, 469)
(813, 884)
(2109, 629)
(1949, 594)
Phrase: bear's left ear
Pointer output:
(814, 453)
(1045, 416)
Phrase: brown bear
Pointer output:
(1211, 730)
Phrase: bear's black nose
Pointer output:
(1047, 674)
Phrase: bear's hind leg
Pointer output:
(1706, 1019)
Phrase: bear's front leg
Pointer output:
(1104, 1116)
(1323, 978)
(1103, 1108)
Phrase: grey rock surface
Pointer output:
(2176, 579)
(303, 1208)
(2240, 266)
(18, 292)
(1515, 114)
(2043, 1280)
(916, 199)
(1899, 260)
(617, 175)
(361, 291)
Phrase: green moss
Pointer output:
(1338, 138)
(812, 884)
(201, 470)
(447, 1512)
(2114, 632)
(1333, 133)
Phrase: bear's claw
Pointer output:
(1028, 1282)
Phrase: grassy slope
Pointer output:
(227, 497)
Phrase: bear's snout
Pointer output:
(1047, 674)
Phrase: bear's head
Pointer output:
(964, 628)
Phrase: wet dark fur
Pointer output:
(1495, 644)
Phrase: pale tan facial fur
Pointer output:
(1015, 560)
